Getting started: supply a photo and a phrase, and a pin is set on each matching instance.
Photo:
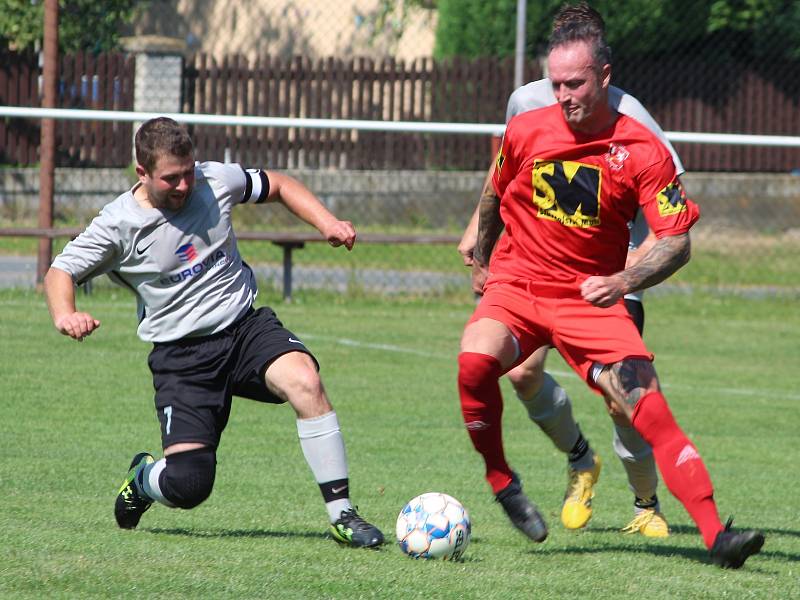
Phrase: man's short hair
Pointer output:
(581, 23)
(579, 13)
(159, 137)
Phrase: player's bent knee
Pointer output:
(526, 382)
(304, 381)
(475, 369)
(549, 402)
(294, 377)
(188, 477)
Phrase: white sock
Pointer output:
(323, 446)
(637, 458)
(551, 410)
(149, 483)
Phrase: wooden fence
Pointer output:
(85, 81)
(682, 95)
(360, 88)
(707, 96)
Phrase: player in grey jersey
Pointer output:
(545, 401)
(170, 240)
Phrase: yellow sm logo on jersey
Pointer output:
(567, 192)
(671, 200)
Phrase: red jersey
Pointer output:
(566, 198)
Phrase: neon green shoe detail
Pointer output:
(351, 530)
(131, 504)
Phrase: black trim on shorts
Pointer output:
(635, 309)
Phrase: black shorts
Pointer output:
(195, 378)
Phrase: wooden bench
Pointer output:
(288, 241)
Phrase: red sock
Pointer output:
(482, 407)
(679, 462)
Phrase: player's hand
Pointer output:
(480, 273)
(603, 291)
(465, 249)
(77, 325)
(340, 233)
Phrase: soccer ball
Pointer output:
(433, 525)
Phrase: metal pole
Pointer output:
(519, 51)
(47, 141)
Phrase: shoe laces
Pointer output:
(580, 482)
(639, 521)
(350, 518)
(729, 523)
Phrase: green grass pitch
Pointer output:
(74, 414)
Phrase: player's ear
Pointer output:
(605, 76)
(141, 173)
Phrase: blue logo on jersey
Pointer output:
(187, 253)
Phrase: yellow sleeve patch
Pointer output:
(671, 200)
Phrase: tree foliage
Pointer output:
(746, 29)
(83, 24)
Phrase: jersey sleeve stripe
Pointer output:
(264, 187)
(248, 186)
(256, 186)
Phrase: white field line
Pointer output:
(373, 346)
(747, 392)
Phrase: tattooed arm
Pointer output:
(489, 228)
(665, 257)
(466, 247)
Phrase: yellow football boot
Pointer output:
(577, 508)
(650, 523)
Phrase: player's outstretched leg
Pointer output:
(550, 408)
(293, 376)
(482, 409)
(637, 459)
(323, 447)
(132, 502)
(686, 477)
(523, 513)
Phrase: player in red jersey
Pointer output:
(567, 181)
(548, 404)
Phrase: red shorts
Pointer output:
(582, 333)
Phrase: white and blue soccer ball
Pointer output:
(433, 525)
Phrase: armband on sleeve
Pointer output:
(256, 186)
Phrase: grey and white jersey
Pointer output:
(539, 94)
(184, 267)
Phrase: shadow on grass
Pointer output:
(266, 533)
(238, 533)
(660, 549)
(691, 530)
(698, 555)
(667, 549)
